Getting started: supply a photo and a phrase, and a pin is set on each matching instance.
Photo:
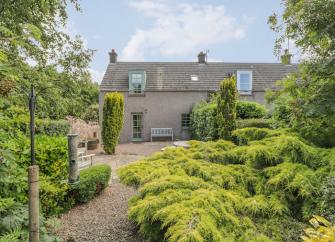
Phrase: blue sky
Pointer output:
(172, 30)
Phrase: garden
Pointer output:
(251, 173)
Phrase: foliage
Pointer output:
(257, 123)
(54, 198)
(322, 230)
(42, 126)
(217, 191)
(203, 121)
(92, 181)
(92, 113)
(226, 108)
(245, 135)
(112, 121)
(306, 101)
(247, 110)
(203, 116)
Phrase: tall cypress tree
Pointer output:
(226, 108)
(112, 121)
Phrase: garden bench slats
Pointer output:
(85, 161)
(161, 132)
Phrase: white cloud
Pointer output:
(180, 29)
(96, 75)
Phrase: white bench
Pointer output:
(161, 132)
(85, 161)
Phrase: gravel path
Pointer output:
(105, 217)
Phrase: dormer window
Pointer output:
(137, 81)
(244, 82)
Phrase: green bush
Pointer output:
(112, 121)
(226, 100)
(92, 181)
(54, 198)
(258, 123)
(42, 126)
(245, 135)
(203, 121)
(247, 110)
(265, 189)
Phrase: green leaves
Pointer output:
(217, 191)
(112, 120)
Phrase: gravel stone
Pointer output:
(104, 219)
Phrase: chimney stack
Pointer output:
(112, 56)
(202, 58)
(286, 57)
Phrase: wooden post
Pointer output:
(33, 180)
(73, 158)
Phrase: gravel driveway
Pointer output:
(105, 217)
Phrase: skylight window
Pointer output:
(194, 78)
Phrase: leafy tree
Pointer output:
(226, 108)
(60, 72)
(112, 121)
(306, 100)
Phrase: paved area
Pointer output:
(105, 217)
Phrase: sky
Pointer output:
(172, 30)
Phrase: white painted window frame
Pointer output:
(238, 73)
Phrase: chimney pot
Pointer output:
(112, 56)
(202, 58)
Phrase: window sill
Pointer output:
(245, 93)
(136, 94)
(185, 128)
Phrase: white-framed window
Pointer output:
(137, 81)
(244, 81)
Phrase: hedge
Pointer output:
(258, 123)
(92, 181)
(42, 126)
(202, 121)
(203, 125)
(246, 110)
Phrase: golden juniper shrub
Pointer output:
(322, 230)
(112, 120)
(217, 191)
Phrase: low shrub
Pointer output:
(257, 123)
(265, 189)
(247, 110)
(93, 180)
(42, 126)
(245, 135)
(54, 198)
(203, 121)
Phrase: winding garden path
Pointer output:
(105, 217)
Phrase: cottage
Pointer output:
(161, 94)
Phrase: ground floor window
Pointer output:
(185, 120)
(137, 123)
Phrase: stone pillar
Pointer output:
(33, 186)
(73, 158)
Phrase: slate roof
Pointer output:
(176, 76)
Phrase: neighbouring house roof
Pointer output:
(176, 76)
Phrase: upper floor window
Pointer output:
(137, 81)
(244, 82)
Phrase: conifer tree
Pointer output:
(226, 108)
(112, 121)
